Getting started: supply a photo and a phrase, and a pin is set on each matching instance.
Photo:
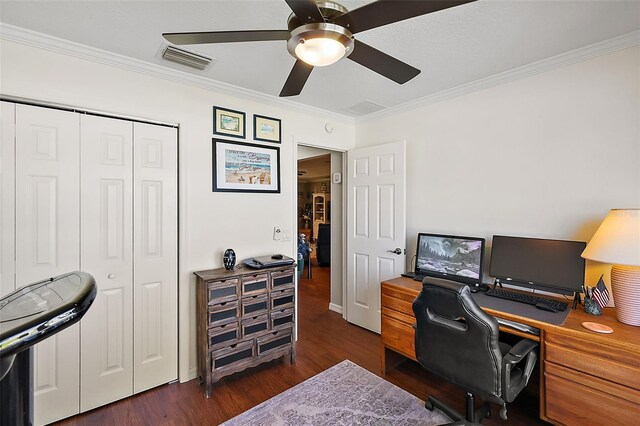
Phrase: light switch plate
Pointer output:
(277, 233)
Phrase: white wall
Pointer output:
(210, 222)
(545, 156)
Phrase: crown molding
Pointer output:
(573, 56)
(78, 50)
(66, 47)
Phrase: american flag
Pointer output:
(601, 294)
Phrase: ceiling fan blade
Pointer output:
(383, 12)
(305, 10)
(383, 64)
(297, 78)
(226, 36)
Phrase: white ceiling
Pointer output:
(451, 47)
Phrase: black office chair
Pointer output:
(323, 244)
(457, 340)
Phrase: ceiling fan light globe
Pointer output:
(320, 52)
(320, 44)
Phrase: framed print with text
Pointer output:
(245, 167)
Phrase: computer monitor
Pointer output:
(551, 265)
(449, 256)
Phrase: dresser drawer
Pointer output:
(254, 284)
(281, 280)
(223, 335)
(222, 290)
(398, 336)
(223, 313)
(232, 356)
(281, 299)
(596, 359)
(397, 300)
(255, 305)
(253, 325)
(277, 340)
(569, 402)
(281, 318)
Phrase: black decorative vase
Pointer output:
(229, 259)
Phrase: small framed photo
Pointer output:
(245, 167)
(228, 122)
(266, 129)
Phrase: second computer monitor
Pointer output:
(449, 256)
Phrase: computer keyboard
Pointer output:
(526, 298)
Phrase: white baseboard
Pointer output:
(192, 374)
(335, 308)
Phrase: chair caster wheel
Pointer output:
(429, 405)
(503, 412)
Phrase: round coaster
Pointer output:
(598, 328)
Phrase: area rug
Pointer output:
(345, 394)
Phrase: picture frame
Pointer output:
(245, 167)
(228, 122)
(267, 129)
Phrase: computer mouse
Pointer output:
(276, 256)
(545, 307)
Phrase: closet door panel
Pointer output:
(7, 193)
(106, 331)
(155, 255)
(48, 240)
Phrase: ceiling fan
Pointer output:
(321, 33)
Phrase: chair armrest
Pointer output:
(524, 349)
(517, 353)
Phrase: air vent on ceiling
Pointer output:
(184, 57)
(364, 108)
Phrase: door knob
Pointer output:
(111, 276)
(396, 251)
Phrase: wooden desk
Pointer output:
(586, 378)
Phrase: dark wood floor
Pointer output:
(324, 339)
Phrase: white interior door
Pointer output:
(48, 241)
(7, 194)
(106, 331)
(376, 226)
(155, 246)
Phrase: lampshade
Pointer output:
(617, 240)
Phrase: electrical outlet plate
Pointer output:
(277, 233)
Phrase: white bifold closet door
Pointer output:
(155, 248)
(106, 331)
(7, 193)
(47, 231)
(129, 244)
(97, 194)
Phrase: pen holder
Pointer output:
(591, 307)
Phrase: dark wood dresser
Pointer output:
(244, 317)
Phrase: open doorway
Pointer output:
(319, 221)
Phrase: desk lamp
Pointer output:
(617, 241)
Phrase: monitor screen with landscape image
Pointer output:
(452, 257)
